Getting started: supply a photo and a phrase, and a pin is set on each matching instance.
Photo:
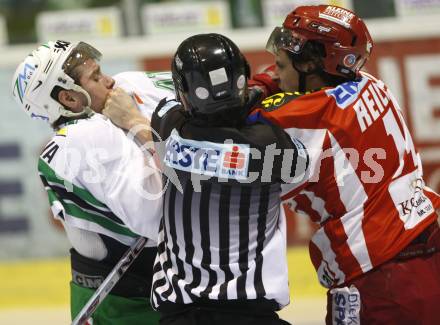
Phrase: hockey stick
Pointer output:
(110, 281)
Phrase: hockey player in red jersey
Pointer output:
(377, 248)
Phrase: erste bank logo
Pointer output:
(234, 159)
(222, 160)
(235, 162)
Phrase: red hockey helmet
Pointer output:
(344, 35)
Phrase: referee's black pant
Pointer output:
(214, 316)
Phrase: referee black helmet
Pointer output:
(210, 75)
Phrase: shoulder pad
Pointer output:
(274, 102)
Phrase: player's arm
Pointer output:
(266, 82)
(168, 115)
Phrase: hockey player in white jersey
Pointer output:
(103, 188)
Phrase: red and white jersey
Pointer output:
(365, 184)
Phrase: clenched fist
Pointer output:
(121, 109)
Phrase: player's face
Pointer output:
(97, 84)
(288, 76)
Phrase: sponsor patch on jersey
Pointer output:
(275, 101)
(346, 93)
(346, 306)
(222, 160)
(410, 200)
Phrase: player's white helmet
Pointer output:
(47, 67)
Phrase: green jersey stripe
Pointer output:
(52, 196)
(59, 187)
(72, 199)
(77, 212)
(51, 176)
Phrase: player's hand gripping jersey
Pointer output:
(364, 167)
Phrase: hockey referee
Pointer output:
(222, 241)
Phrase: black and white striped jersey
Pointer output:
(222, 237)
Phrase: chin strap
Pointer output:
(302, 75)
(86, 109)
(302, 82)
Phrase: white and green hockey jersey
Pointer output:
(147, 88)
(97, 179)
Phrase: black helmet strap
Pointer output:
(302, 82)
(302, 76)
